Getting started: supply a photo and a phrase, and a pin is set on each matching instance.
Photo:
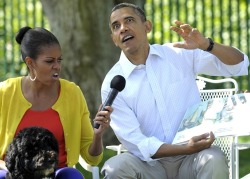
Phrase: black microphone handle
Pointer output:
(109, 101)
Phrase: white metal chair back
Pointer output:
(230, 88)
(227, 144)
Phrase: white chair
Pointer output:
(93, 169)
(229, 145)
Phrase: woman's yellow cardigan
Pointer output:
(73, 111)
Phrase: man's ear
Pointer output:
(148, 25)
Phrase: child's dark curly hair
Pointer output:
(33, 154)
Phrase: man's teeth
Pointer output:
(126, 38)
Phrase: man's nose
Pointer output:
(124, 27)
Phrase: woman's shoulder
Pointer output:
(70, 90)
(67, 83)
(10, 83)
(69, 86)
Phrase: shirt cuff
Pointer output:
(149, 147)
(238, 69)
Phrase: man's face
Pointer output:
(129, 32)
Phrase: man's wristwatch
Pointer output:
(211, 45)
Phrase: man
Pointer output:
(160, 86)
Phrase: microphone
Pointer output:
(117, 85)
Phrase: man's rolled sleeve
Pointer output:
(149, 147)
(238, 69)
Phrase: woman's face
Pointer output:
(47, 66)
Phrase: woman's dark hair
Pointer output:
(33, 40)
(136, 8)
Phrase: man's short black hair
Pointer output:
(136, 8)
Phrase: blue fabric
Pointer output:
(62, 173)
(68, 173)
(2, 174)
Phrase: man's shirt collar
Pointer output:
(128, 67)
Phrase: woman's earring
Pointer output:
(32, 79)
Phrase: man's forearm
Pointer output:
(228, 55)
(167, 150)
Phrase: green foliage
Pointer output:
(14, 15)
(107, 154)
(244, 158)
(225, 21)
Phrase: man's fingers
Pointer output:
(176, 29)
(179, 44)
(178, 23)
(212, 137)
(207, 138)
(182, 29)
(200, 137)
(186, 27)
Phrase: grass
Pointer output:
(107, 154)
(244, 160)
(244, 165)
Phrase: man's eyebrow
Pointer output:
(114, 23)
(128, 17)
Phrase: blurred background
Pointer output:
(88, 52)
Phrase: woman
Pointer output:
(44, 99)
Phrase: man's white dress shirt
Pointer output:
(148, 112)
